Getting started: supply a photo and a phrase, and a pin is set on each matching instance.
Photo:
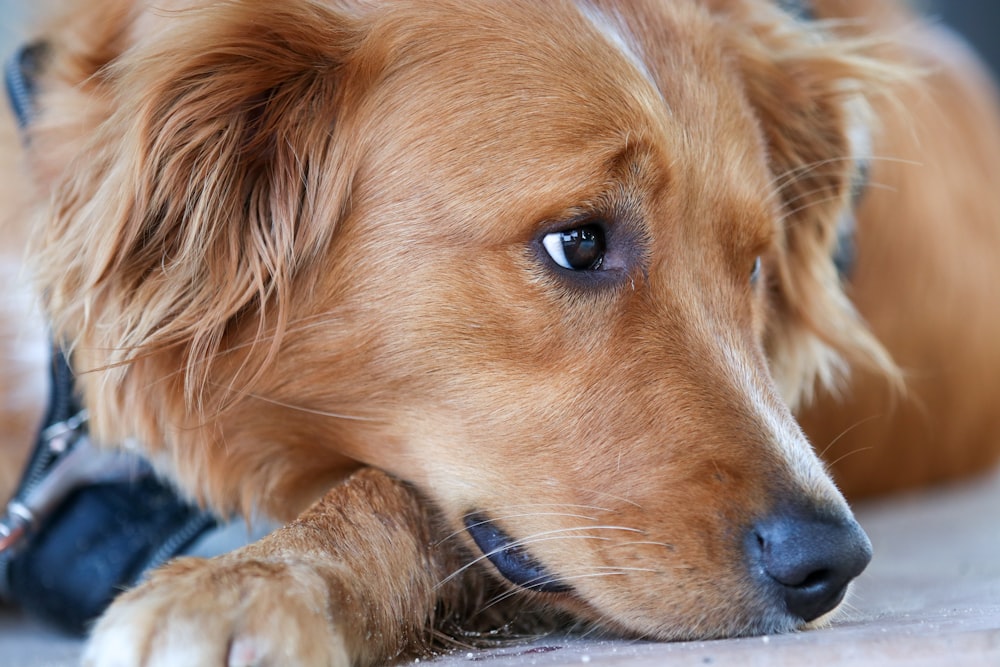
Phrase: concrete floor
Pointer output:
(931, 597)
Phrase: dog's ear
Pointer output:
(218, 178)
(810, 93)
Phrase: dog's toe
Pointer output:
(112, 646)
(246, 652)
(214, 613)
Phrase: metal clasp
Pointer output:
(59, 436)
(75, 462)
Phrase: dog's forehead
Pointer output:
(557, 89)
(557, 63)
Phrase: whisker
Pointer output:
(780, 181)
(312, 411)
(849, 612)
(506, 595)
(617, 545)
(545, 536)
(795, 211)
(267, 338)
(884, 187)
(593, 575)
(809, 193)
(256, 340)
(494, 519)
(845, 432)
(623, 568)
(850, 453)
(611, 496)
(493, 552)
(892, 159)
(517, 506)
(871, 185)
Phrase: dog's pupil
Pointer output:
(584, 247)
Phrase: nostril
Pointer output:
(817, 578)
(811, 559)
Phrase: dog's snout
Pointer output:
(809, 558)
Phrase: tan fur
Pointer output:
(285, 241)
(928, 240)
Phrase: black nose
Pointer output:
(809, 558)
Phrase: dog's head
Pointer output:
(563, 266)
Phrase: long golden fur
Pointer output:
(295, 243)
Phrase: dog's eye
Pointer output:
(755, 271)
(578, 249)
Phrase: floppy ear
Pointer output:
(809, 91)
(216, 180)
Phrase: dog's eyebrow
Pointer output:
(616, 34)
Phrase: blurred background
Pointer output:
(976, 20)
(14, 14)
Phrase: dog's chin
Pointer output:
(749, 613)
(698, 625)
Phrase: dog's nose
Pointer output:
(810, 558)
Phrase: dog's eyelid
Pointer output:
(589, 219)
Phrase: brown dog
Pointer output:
(540, 282)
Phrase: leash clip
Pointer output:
(59, 437)
(36, 500)
(70, 461)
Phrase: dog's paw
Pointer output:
(222, 613)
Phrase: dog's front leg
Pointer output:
(353, 581)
